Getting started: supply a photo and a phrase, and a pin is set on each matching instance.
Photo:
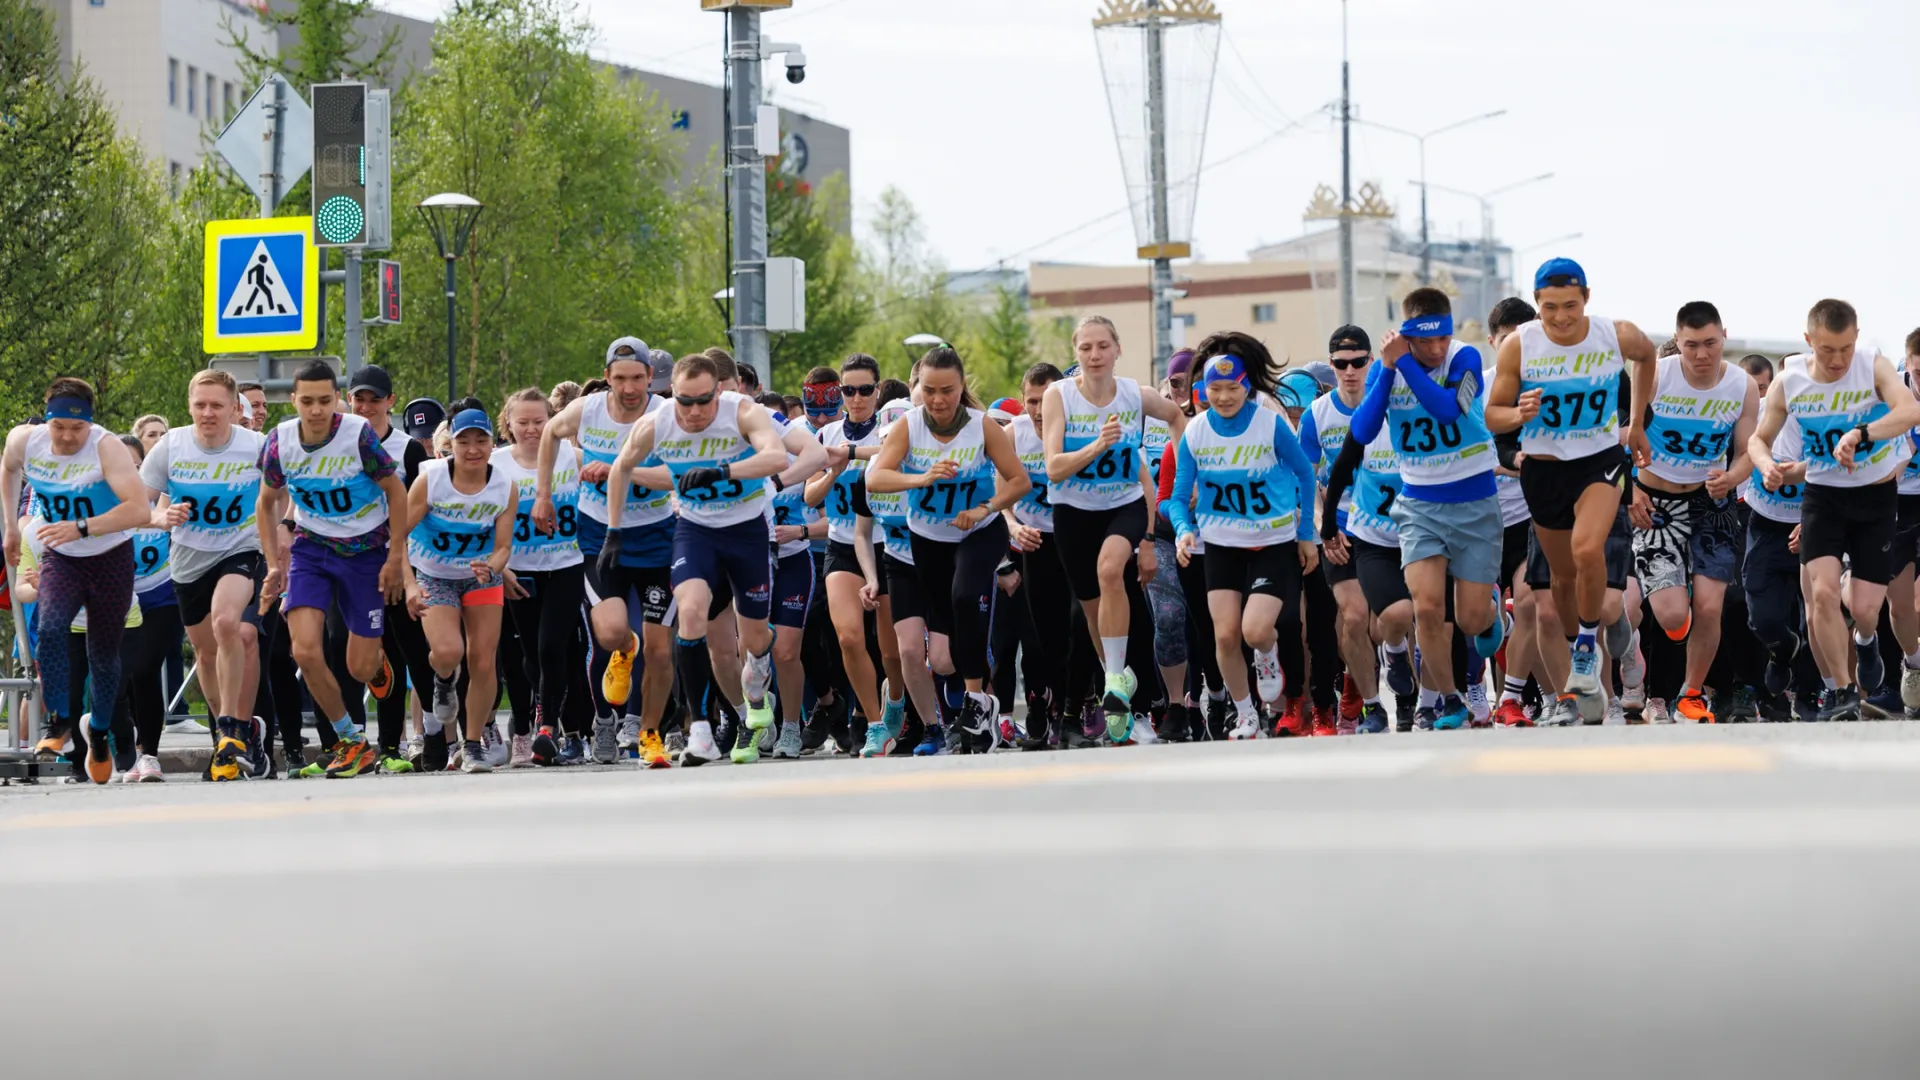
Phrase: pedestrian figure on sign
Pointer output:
(262, 283)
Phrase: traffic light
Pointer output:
(339, 164)
(389, 292)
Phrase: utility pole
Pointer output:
(1157, 164)
(747, 177)
(1346, 177)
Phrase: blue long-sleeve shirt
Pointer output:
(1286, 447)
(1441, 401)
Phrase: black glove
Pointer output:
(609, 559)
(703, 476)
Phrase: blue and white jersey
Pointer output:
(1431, 453)
(220, 489)
(890, 523)
(931, 510)
(72, 487)
(1376, 484)
(152, 559)
(532, 549)
(601, 437)
(458, 527)
(728, 502)
(1826, 411)
(332, 494)
(1910, 472)
(1580, 390)
(789, 506)
(841, 500)
(1113, 478)
(1035, 509)
(1323, 431)
(1245, 496)
(1513, 500)
(1154, 438)
(1783, 505)
(1691, 430)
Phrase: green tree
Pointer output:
(1006, 344)
(329, 44)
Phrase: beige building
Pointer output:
(1287, 294)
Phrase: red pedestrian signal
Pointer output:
(389, 292)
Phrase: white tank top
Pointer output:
(332, 493)
(1513, 501)
(839, 504)
(457, 528)
(1783, 505)
(1244, 495)
(152, 559)
(931, 509)
(789, 506)
(533, 549)
(70, 487)
(1825, 412)
(1376, 484)
(220, 488)
(1909, 472)
(600, 440)
(1035, 509)
(729, 502)
(1579, 384)
(1113, 478)
(1331, 425)
(1154, 438)
(1692, 430)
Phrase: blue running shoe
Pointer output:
(1373, 720)
(1583, 683)
(934, 744)
(1869, 670)
(1400, 672)
(1424, 718)
(1487, 642)
(1453, 714)
(893, 714)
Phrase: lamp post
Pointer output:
(1426, 245)
(922, 342)
(450, 217)
(1489, 260)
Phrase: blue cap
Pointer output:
(1559, 268)
(1297, 389)
(470, 420)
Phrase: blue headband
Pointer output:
(1428, 326)
(70, 407)
(1224, 368)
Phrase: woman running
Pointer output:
(458, 556)
(943, 458)
(893, 587)
(1102, 518)
(1042, 588)
(1252, 482)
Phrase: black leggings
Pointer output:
(143, 660)
(547, 622)
(1051, 606)
(964, 611)
(121, 725)
(1323, 639)
(1203, 666)
(277, 698)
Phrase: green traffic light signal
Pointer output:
(340, 164)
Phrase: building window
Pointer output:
(227, 94)
(193, 90)
(173, 83)
(1265, 313)
(173, 177)
(212, 84)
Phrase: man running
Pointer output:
(1558, 381)
(87, 492)
(207, 480)
(717, 450)
(1853, 414)
(1686, 534)
(349, 548)
(1523, 638)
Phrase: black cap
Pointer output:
(422, 417)
(372, 377)
(1349, 337)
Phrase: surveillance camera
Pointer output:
(796, 67)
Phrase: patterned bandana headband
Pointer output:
(821, 398)
(1428, 326)
(69, 407)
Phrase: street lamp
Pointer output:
(1426, 246)
(450, 217)
(1490, 261)
(922, 342)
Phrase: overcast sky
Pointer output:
(1747, 153)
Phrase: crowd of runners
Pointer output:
(1559, 524)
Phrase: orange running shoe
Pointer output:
(1692, 707)
(1511, 713)
(350, 759)
(382, 682)
(1350, 702)
(1293, 721)
(99, 754)
(617, 683)
(653, 752)
(1323, 726)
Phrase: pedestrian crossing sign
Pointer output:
(262, 286)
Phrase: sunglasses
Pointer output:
(861, 391)
(1349, 365)
(690, 401)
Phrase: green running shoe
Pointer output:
(316, 768)
(1117, 703)
(746, 744)
(395, 764)
(760, 717)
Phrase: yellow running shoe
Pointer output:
(1692, 707)
(617, 683)
(653, 752)
(229, 750)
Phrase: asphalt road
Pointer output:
(1620, 902)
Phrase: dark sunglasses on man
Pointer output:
(1349, 365)
(693, 401)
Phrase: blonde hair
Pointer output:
(521, 397)
(151, 418)
(563, 395)
(1097, 320)
(443, 440)
(209, 377)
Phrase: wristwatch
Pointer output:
(1866, 443)
(81, 524)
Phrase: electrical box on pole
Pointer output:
(786, 296)
(340, 164)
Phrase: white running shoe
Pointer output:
(1143, 732)
(1656, 711)
(701, 749)
(1633, 704)
(494, 748)
(146, 770)
(186, 727)
(628, 738)
(1479, 709)
(1273, 681)
(1910, 686)
(1633, 666)
(756, 675)
(1245, 726)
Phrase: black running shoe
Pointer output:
(1173, 728)
(1838, 706)
(1219, 718)
(433, 751)
(1869, 669)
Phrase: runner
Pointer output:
(551, 581)
(206, 479)
(851, 444)
(457, 555)
(716, 449)
(942, 458)
(893, 586)
(141, 713)
(1853, 413)
(1448, 511)
(834, 702)
(1235, 460)
(1098, 488)
(1558, 382)
(602, 421)
(1522, 651)
(1903, 614)
(350, 525)
(1044, 591)
(1686, 534)
(1776, 612)
(792, 525)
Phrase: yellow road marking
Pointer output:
(1605, 760)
